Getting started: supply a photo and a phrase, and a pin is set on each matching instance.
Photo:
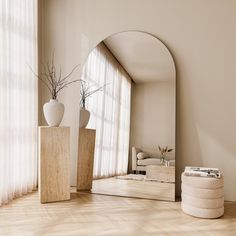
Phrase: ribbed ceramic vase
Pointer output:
(53, 112)
(84, 116)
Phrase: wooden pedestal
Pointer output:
(85, 159)
(54, 164)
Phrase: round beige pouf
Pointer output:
(202, 197)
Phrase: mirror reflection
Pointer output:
(130, 79)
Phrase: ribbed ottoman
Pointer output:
(202, 197)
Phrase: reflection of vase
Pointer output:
(162, 160)
(83, 117)
(53, 112)
(167, 163)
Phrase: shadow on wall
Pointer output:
(206, 138)
(187, 152)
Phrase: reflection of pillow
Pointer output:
(142, 155)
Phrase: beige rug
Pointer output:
(136, 177)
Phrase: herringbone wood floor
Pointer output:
(91, 214)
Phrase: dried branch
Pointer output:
(54, 82)
(85, 93)
(40, 79)
(66, 84)
(68, 75)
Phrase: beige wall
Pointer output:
(201, 35)
(153, 115)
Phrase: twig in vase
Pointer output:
(53, 82)
(85, 93)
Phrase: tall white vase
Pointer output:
(84, 116)
(53, 112)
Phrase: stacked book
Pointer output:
(202, 172)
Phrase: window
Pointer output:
(18, 98)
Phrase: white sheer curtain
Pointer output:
(110, 112)
(18, 98)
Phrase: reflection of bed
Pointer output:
(139, 164)
(142, 158)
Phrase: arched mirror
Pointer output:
(131, 79)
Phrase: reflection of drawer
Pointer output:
(161, 173)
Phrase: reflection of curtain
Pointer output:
(18, 98)
(110, 112)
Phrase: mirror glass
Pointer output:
(131, 79)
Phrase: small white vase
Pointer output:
(53, 112)
(84, 116)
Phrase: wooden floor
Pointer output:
(134, 188)
(92, 214)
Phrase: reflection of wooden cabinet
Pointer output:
(85, 159)
(161, 173)
(54, 164)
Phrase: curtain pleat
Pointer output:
(110, 112)
(18, 98)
